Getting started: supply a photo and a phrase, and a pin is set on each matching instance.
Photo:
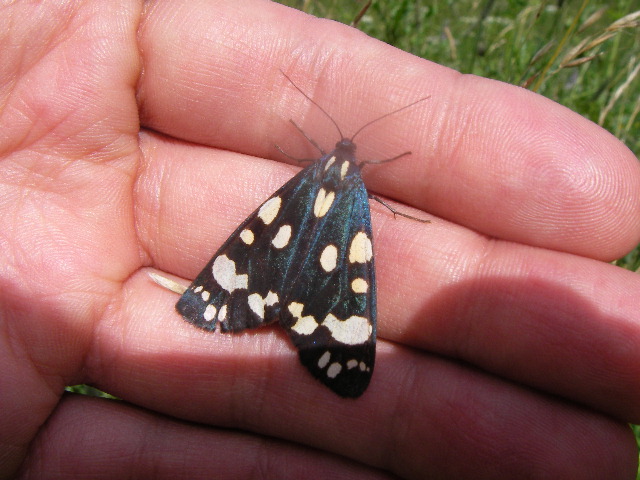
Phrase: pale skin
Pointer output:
(135, 140)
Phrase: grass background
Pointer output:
(582, 54)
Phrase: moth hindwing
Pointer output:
(303, 258)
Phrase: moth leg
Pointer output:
(299, 160)
(309, 139)
(396, 212)
(386, 160)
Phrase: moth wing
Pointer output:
(330, 312)
(286, 263)
(241, 286)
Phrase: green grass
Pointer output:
(582, 54)
(89, 391)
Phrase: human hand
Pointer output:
(507, 347)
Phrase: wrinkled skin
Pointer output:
(137, 136)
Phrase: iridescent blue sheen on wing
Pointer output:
(303, 258)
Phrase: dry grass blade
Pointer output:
(565, 38)
(618, 93)
(542, 52)
(575, 52)
(593, 18)
(358, 17)
(631, 20)
(597, 41)
(585, 45)
(167, 283)
(573, 57)
(632, 117)
(527, 83)
(579, 61)
(452, 43)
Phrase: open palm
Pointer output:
(135, 138)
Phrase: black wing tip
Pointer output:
(346, 385)
(342, 373)
(353, 391)
(192, 310)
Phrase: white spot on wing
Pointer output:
(269, 210)
(352, 331)
(222, 316)
(329, 258)
(224, 272)
(283, 236)
(344, 169)
(209, 313)
(198, 289)
(329, 163)
(304, 325)
(360, 250)
(323, 361)
(323, 202)
(247, 236)
(359, 285)
(257, 303)
(271, 299)
(333, 370)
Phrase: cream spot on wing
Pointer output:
(257, 303)
(283, 236)
(247, 236)
(224, 272)
(333, 370)
(344, 169)
(222, 316)
(323, 361)
(359, 285)
(198, 289)
(363, 366)
(269, 210)
(323, 202)
(329, 258)
(329, 163)
(209, 313)
(360, 250)
(353, 363)
(304, 325)
(352, 331)
(205, 295)
(271, 299)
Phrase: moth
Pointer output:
(304, 259)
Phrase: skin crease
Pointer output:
(138, 136)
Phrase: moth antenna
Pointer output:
(388, 115)
(313, 102)
(336, 124)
